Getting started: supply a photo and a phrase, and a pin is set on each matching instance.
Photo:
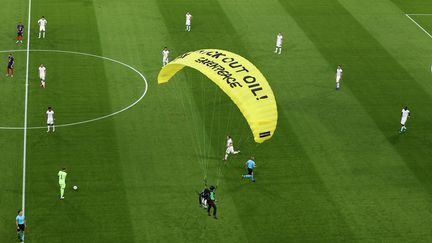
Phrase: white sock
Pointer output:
(337, 85)
(276, 50)
(48, 128)
(43, 34)
(53, 127)
(280, 50)
(226, 157)
(236, 152)
(39, 34)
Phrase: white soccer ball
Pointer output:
(75, 188)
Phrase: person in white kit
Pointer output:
(404, 117)
(50, 119)
(188, 21)
(42, 25)
(230, 148)
(42, 75)
(338, 76)
(279, 39)
(165, 56)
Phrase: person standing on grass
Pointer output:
(21, 224)
(212, 202)
(404, 117)
(339, 72)
(188, 21)
(20, 32)
(10, 66)
(250, 165)
(42, 75)
(279, 39)
(50, 119)
(62, 181)
(42, 26)
(165, 56)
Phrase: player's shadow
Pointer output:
(395, 139)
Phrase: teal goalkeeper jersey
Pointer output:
(62, 177)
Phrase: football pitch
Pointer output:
(336, 169)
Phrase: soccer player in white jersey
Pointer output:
(279, 39)
(404, 117)
(165, 56)
(338, 76)
(42, 25)
(230, 148)
(42, 75)
(188, 21)
(50, 119)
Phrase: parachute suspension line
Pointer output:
(187, 112)
(255, 99)
(217, 97)
(228, 131)
(221, 142)
(212, 129)
(197, 129)
(188, 109)
(207, 142)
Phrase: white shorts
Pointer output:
(42, 77)
(188, 23)
(41, 28)
(403, 120)
(338, 78)
(279, 45)
(165, 60)
(50, 121)
(230, 150)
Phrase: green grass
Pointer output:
(336, 169)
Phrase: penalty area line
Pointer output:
(418, 25)
(415, 22)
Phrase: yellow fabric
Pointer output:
(239, 79)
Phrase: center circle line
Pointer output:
(90, 120)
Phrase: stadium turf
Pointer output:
(336, 170)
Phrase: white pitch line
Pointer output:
(421, 14)
(24, 160)
(408, 15)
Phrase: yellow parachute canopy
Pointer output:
(239, 79)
